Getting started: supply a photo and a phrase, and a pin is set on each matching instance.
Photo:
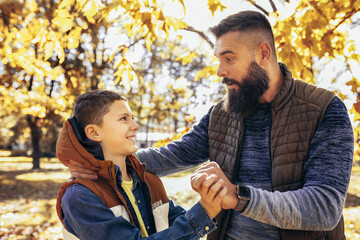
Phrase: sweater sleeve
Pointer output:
(190, 150)
(319, 204)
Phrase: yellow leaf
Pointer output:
(66, 3)
(60, 51)
(74, 37)
(148, 42)
(82, 2)
(175, 23)
(91, 8)
(55, 72)
(188, 58)
(356, 114)
(62, 13)
(49, 49)
(161, 15)
(33, 6)
(63, 20)
(214, 5)
(354, 84)
(39, 36)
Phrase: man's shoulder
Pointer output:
(313, 94)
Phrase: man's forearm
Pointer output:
(311, 208)
(326, 174)
(189, 151)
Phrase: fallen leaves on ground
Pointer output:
(28, 198)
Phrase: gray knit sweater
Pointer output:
(317, 206)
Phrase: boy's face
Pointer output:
(118, 131)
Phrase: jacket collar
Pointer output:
(72, 146)
(91, 146)
(286, 90)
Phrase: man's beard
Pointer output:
(252, 87)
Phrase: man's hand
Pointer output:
(213, 170)
(78, 171)
(212, 193)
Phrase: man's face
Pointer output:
(245, 79)
(249, 89)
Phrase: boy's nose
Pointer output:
(135, 126)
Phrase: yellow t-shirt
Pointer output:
(128, 186)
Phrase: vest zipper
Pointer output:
(270, 154)
(238, 151)
(233, 176)
(151, 210)
(113, 181)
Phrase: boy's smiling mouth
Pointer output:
(132, 138)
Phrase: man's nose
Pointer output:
(221, 72)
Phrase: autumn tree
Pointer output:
(52, 51)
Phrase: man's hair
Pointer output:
(251, 22)
(90, 107)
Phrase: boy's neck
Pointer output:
(121, 162)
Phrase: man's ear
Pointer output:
(92, 132)
(263, 53)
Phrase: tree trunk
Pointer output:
(35, 129)
(35, 142)
(147, 132)
(176, 121)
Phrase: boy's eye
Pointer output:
(123, 119)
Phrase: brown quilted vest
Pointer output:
(105, 188)
(296, 112)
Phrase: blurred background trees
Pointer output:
(53, 50)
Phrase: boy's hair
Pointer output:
(90, 107)
(252, 22)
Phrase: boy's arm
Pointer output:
(100, 222)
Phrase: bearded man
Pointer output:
(283, 147)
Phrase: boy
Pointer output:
(125, 202)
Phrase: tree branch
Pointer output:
(201, 34)
(348, 15)
(273, 5)
(259, 7)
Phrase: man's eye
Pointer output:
(123, 119)
(229, 59)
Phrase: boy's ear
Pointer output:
(92, 132)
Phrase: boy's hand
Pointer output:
(212, 192)
(230, 200)
(78, 171)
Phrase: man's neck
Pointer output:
(275, 83)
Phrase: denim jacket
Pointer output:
(85, 215)
(100, 222)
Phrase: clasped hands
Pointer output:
(215, 189)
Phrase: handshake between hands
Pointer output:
(215, 189)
